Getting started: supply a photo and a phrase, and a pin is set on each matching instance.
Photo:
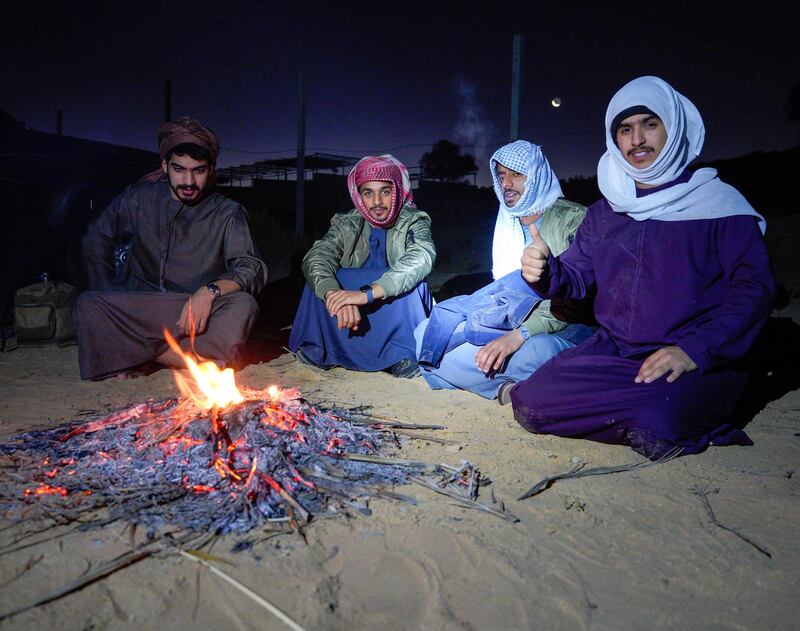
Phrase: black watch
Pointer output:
(367, 289)
(214, 289)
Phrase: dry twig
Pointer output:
(578, 472)
(703, 495)
(272, 608)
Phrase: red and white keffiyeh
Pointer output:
(385, 168)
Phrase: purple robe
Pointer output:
(703, 285)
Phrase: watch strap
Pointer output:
(367, 289)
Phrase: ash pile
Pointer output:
(272, 460)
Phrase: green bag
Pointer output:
(42, 312)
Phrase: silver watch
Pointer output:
(214, 289)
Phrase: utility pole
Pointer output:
(516, 78)
(167, 100)
(299, 211)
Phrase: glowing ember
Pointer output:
(221, 459)
(46, 489)
(271, 457)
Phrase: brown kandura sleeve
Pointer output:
(242, 263)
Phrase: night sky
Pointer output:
(399, 77)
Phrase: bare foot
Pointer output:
(141, 370)
(125, 376)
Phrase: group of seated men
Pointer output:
(673, 262)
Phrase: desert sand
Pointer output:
(632, 550)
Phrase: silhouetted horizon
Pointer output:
(384, 80)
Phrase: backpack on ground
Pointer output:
(42, 312)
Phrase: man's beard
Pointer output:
(183, 188)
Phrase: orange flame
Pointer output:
(206, 385)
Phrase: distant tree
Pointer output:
(446, 163)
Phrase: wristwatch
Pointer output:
(524, 332)
(214, 289)
(367, 289)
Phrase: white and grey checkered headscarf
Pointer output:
(541, 191)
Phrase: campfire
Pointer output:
(219, 459)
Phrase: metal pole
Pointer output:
(516, 77)
(299, 211)
(167, 100)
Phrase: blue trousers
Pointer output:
(457, 369)
(477, 318)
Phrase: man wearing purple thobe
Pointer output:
(683, 289)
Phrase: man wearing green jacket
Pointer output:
(499, 335)
(365, 289)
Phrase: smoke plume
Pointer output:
(472, 130)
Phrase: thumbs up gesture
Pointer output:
(534, 257)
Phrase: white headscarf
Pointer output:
(541, 191)
(704, 196)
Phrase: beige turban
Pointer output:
(187, 130)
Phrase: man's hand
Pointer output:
(491, 356)
(534, 257)
(669, 358)
(335, 300)
(348, 317)
(196, 310)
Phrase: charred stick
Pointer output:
(275, 486)
(377, 419)
(386, 461)
(472, 491)
(122, 561)
(397, 496)
(427, 437)
(359, 506)
(385, 422)
(464, 501)
(458, 474)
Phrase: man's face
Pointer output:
(377, 197)
(188, 178)
(511, 183)
(641, 138)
